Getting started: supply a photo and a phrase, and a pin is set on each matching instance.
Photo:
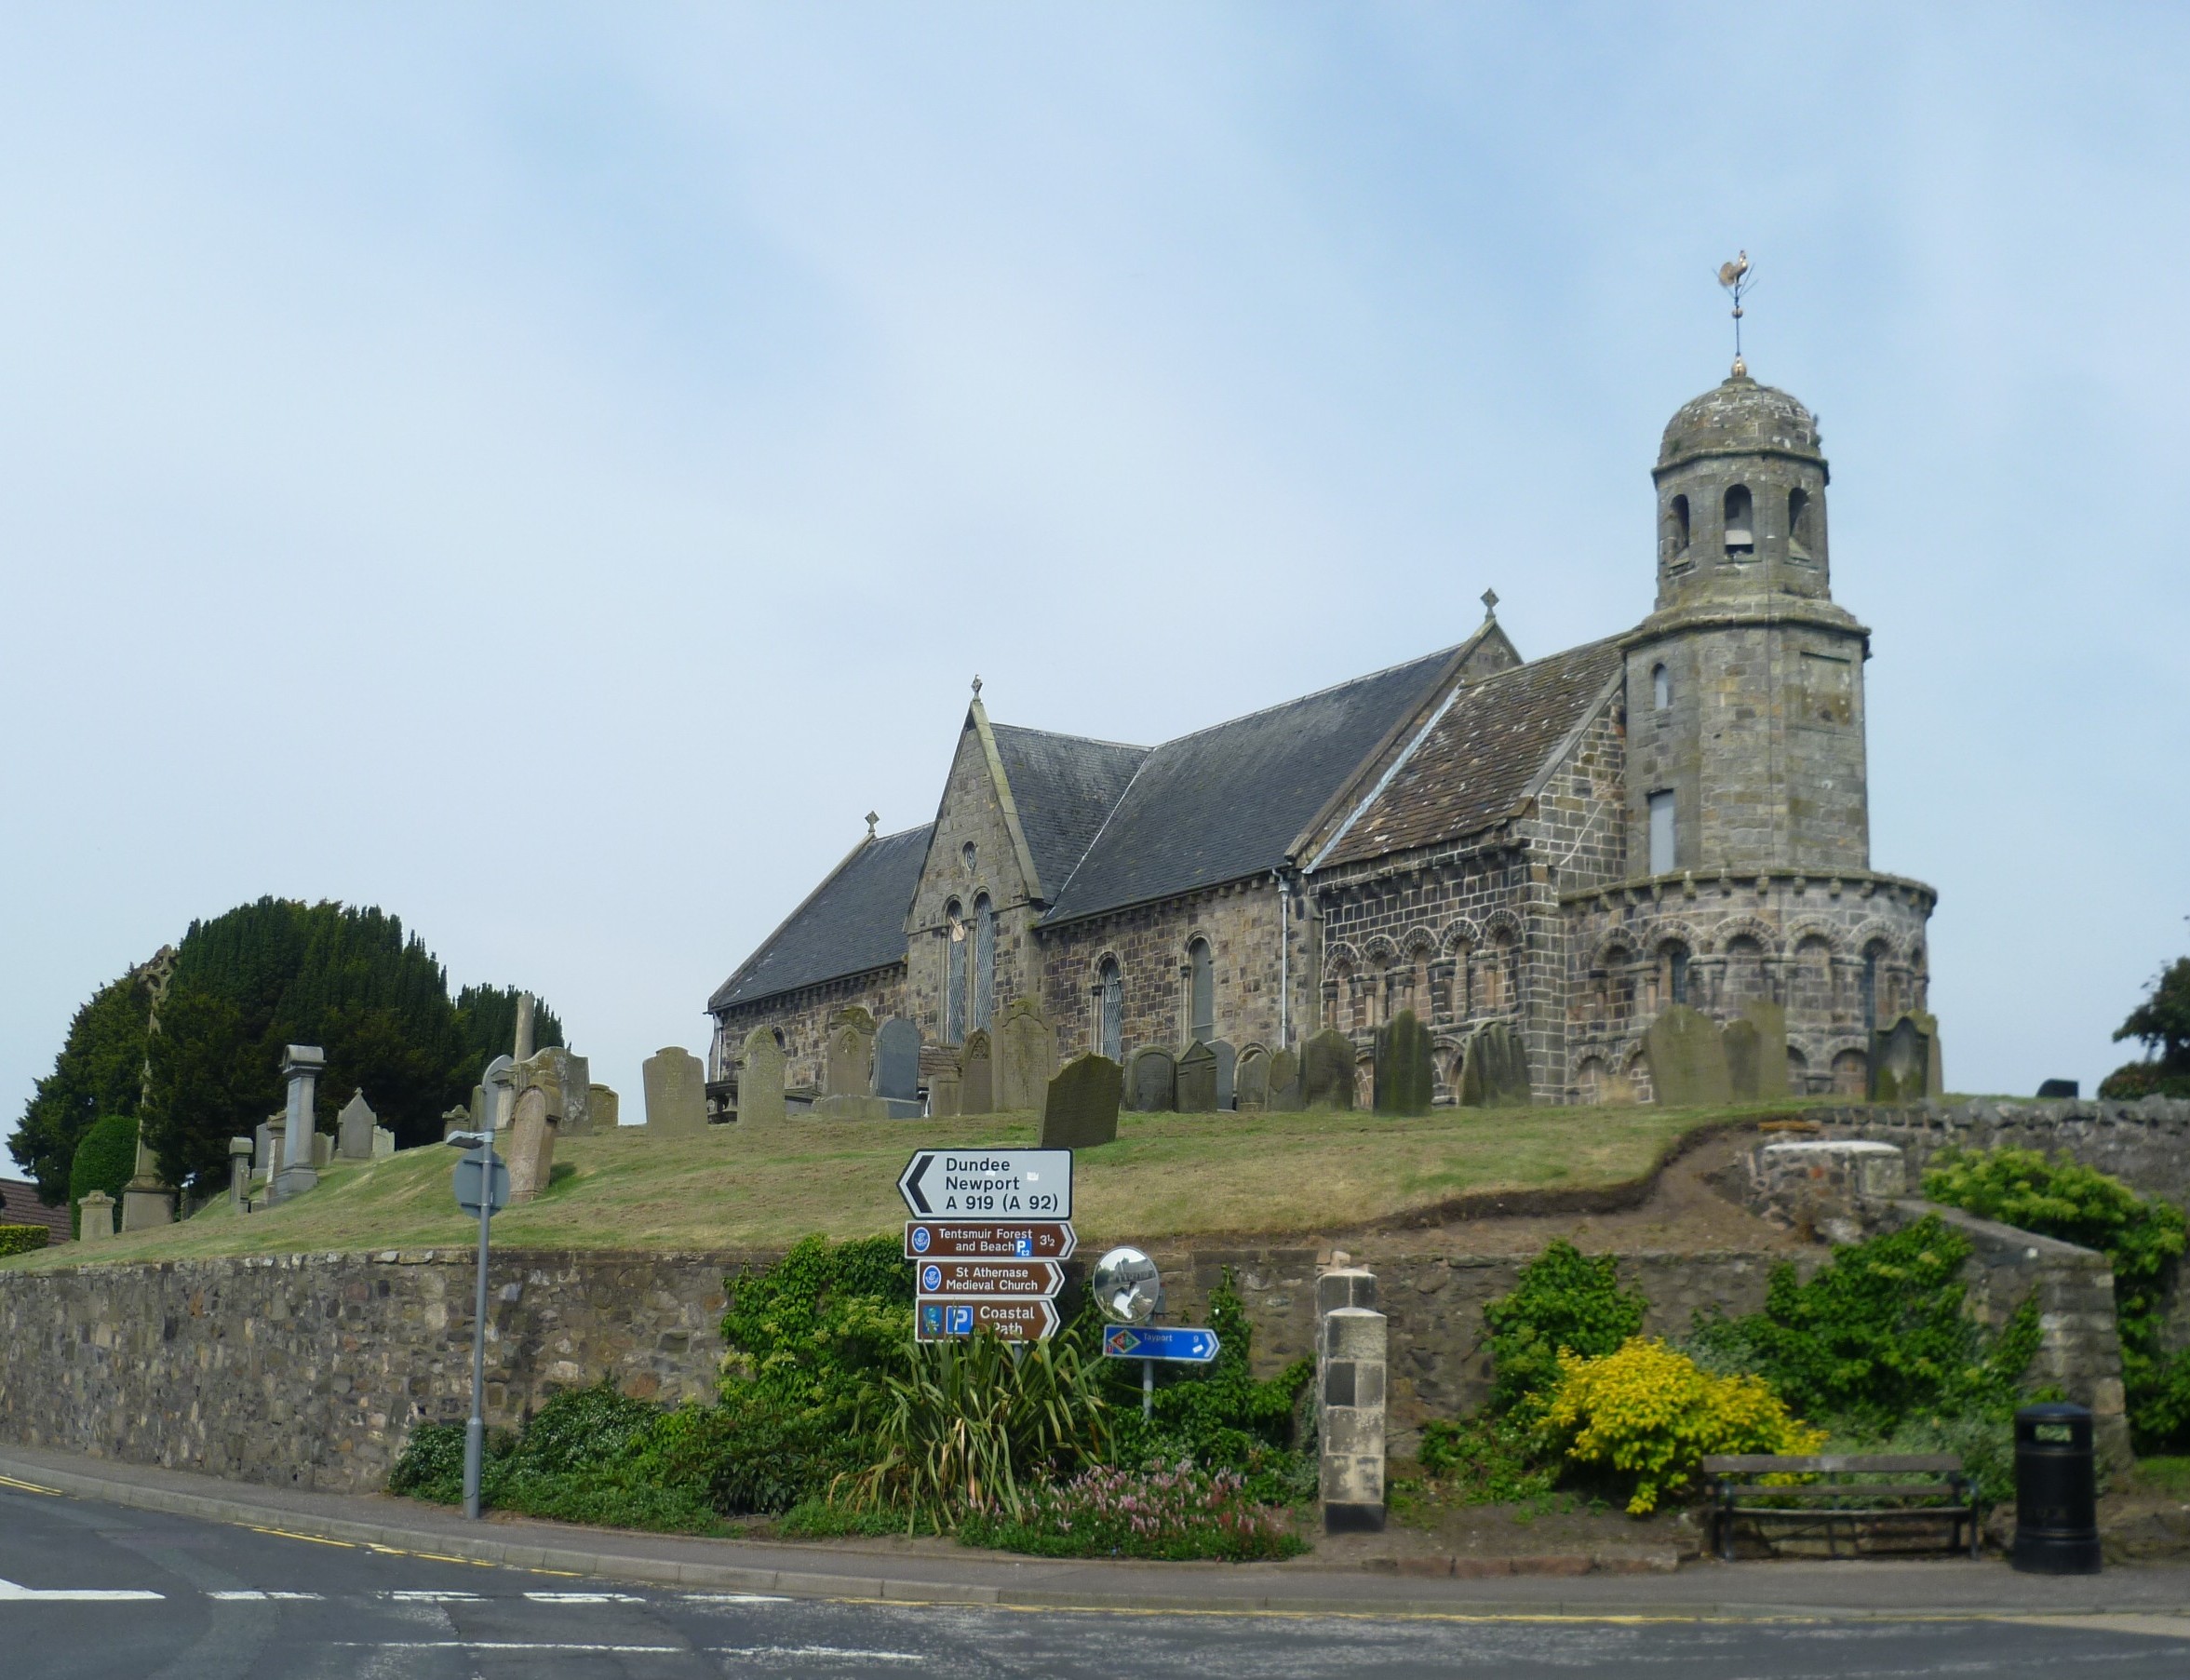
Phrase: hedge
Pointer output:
(21, 1239)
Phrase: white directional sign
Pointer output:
(995, 1184)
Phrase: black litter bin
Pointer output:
(2056, 1491)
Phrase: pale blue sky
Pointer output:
(548, 471)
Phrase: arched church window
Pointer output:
(1676, 525)
(965, 857)
(1741, 521)
(1201, 992)
(984, 962)
(954, 982)
(1871, 953)
(1660, 687)
(1676, 972)
(1798, 533)
(1111, 1030)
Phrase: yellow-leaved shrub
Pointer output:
(1650, 1413)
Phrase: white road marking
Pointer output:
(252, 1595)
(431, 1596)
(814, 1650)
(734, 1598)
(2160, 1626)
(11, 1593)
(512, 1645)
(585, 1598)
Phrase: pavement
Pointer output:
(110, 1570)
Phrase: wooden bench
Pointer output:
(1737, 1492)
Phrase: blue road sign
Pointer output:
(1159, 1341)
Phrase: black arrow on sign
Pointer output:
(910, 1183)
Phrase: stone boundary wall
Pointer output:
(2145, 1143)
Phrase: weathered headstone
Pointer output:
(944, 1094)
(322, 1151)
(978, 1084)
(1025, 1056)
(239, 1171)
(1326, 1070)
(302, 1066)
(1196, 1080)
(1494, 1069)
(266, 1145)
(604, 1107)
(1406, 1074)
(760, 1080)
(675, 1084)
(848, 1107)
(521, 1051)
(146, 1201)
(1756, 1053)
(95, 1218)
(897, 1067)
(1080, 1109)
(1152, 1086)
(384, 1143)
(354, 1128)
(1285, 1095)
(1688, 1060)
(848, 1065)
(1228, 1067)
(1251, 1081)
(567, 1079)
(458, 1120)
(1901, 1063)
(531, 1145)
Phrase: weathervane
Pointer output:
(1735, 278)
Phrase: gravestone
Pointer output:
(384, 1143)
(1285, 1096)
(847, 1066)
(1228, 1069)
(760, 1080)
(1080, 1109)
(897, 1067)
(322, 1151)
(301, 1065)
(95, 1218)
(977, 1083)
(1406, 1074)
(1756, 1053)
(239, 1171)
(604, 1107)
(1151, 1084)
(1688, 1060)
(676, 1082)
(849, 1106)
(567, 1079)
(1494, 1069)
(1025, 1056)
(1326, 1070)
(266, 1145)
(1251, 1081)
(531, 1145)
(1196, 1080)
(1901, 1063)
(456, 1120)
(354, 1129)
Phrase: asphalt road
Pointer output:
(94, 1591)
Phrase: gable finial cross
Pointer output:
(872, 818)
(1490, 603)
(977, 685)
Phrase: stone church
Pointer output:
(1677, 813)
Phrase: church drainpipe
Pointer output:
(1285, 969)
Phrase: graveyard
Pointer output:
(1167, 1177)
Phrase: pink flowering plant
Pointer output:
(1167, 1511)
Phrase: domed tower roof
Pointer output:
(1740, 417)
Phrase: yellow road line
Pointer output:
(51, 1493)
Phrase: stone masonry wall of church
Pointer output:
(803, 1017)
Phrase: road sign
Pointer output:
(989, 1277)
(954, 1239)
(1159, 1341)
(951, 1318)
(470, 1172)
(1010, 1184)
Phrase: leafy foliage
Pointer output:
(21, 1239)
(1489, 1458)
(2162, 1024)
(1174, 1511)
(2142, 1240)
(99, 1071)
(1563, 1301)
(487, 1026)
(106, 1160)
(1649, 1414)
(1877, 1336)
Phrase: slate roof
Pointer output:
(854, 921)
(1476, 762)
(1227, 802)
(19, 1205)
(1063, 787)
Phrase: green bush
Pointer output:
(1489, 1458)
(106, 1160)
(2143, 1241)
(21, 1239)
(1563, 1299)
(1878, 1338)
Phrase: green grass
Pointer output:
(1167, 1176)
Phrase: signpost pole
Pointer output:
(1147, 1390)
(474, 1430)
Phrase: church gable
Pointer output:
(975, 849)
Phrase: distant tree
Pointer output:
(2162, 1024)
(99, 1071)
(487, 1017)
(105, 1160)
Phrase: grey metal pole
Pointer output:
(1147, 1389)
(475, 1432)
